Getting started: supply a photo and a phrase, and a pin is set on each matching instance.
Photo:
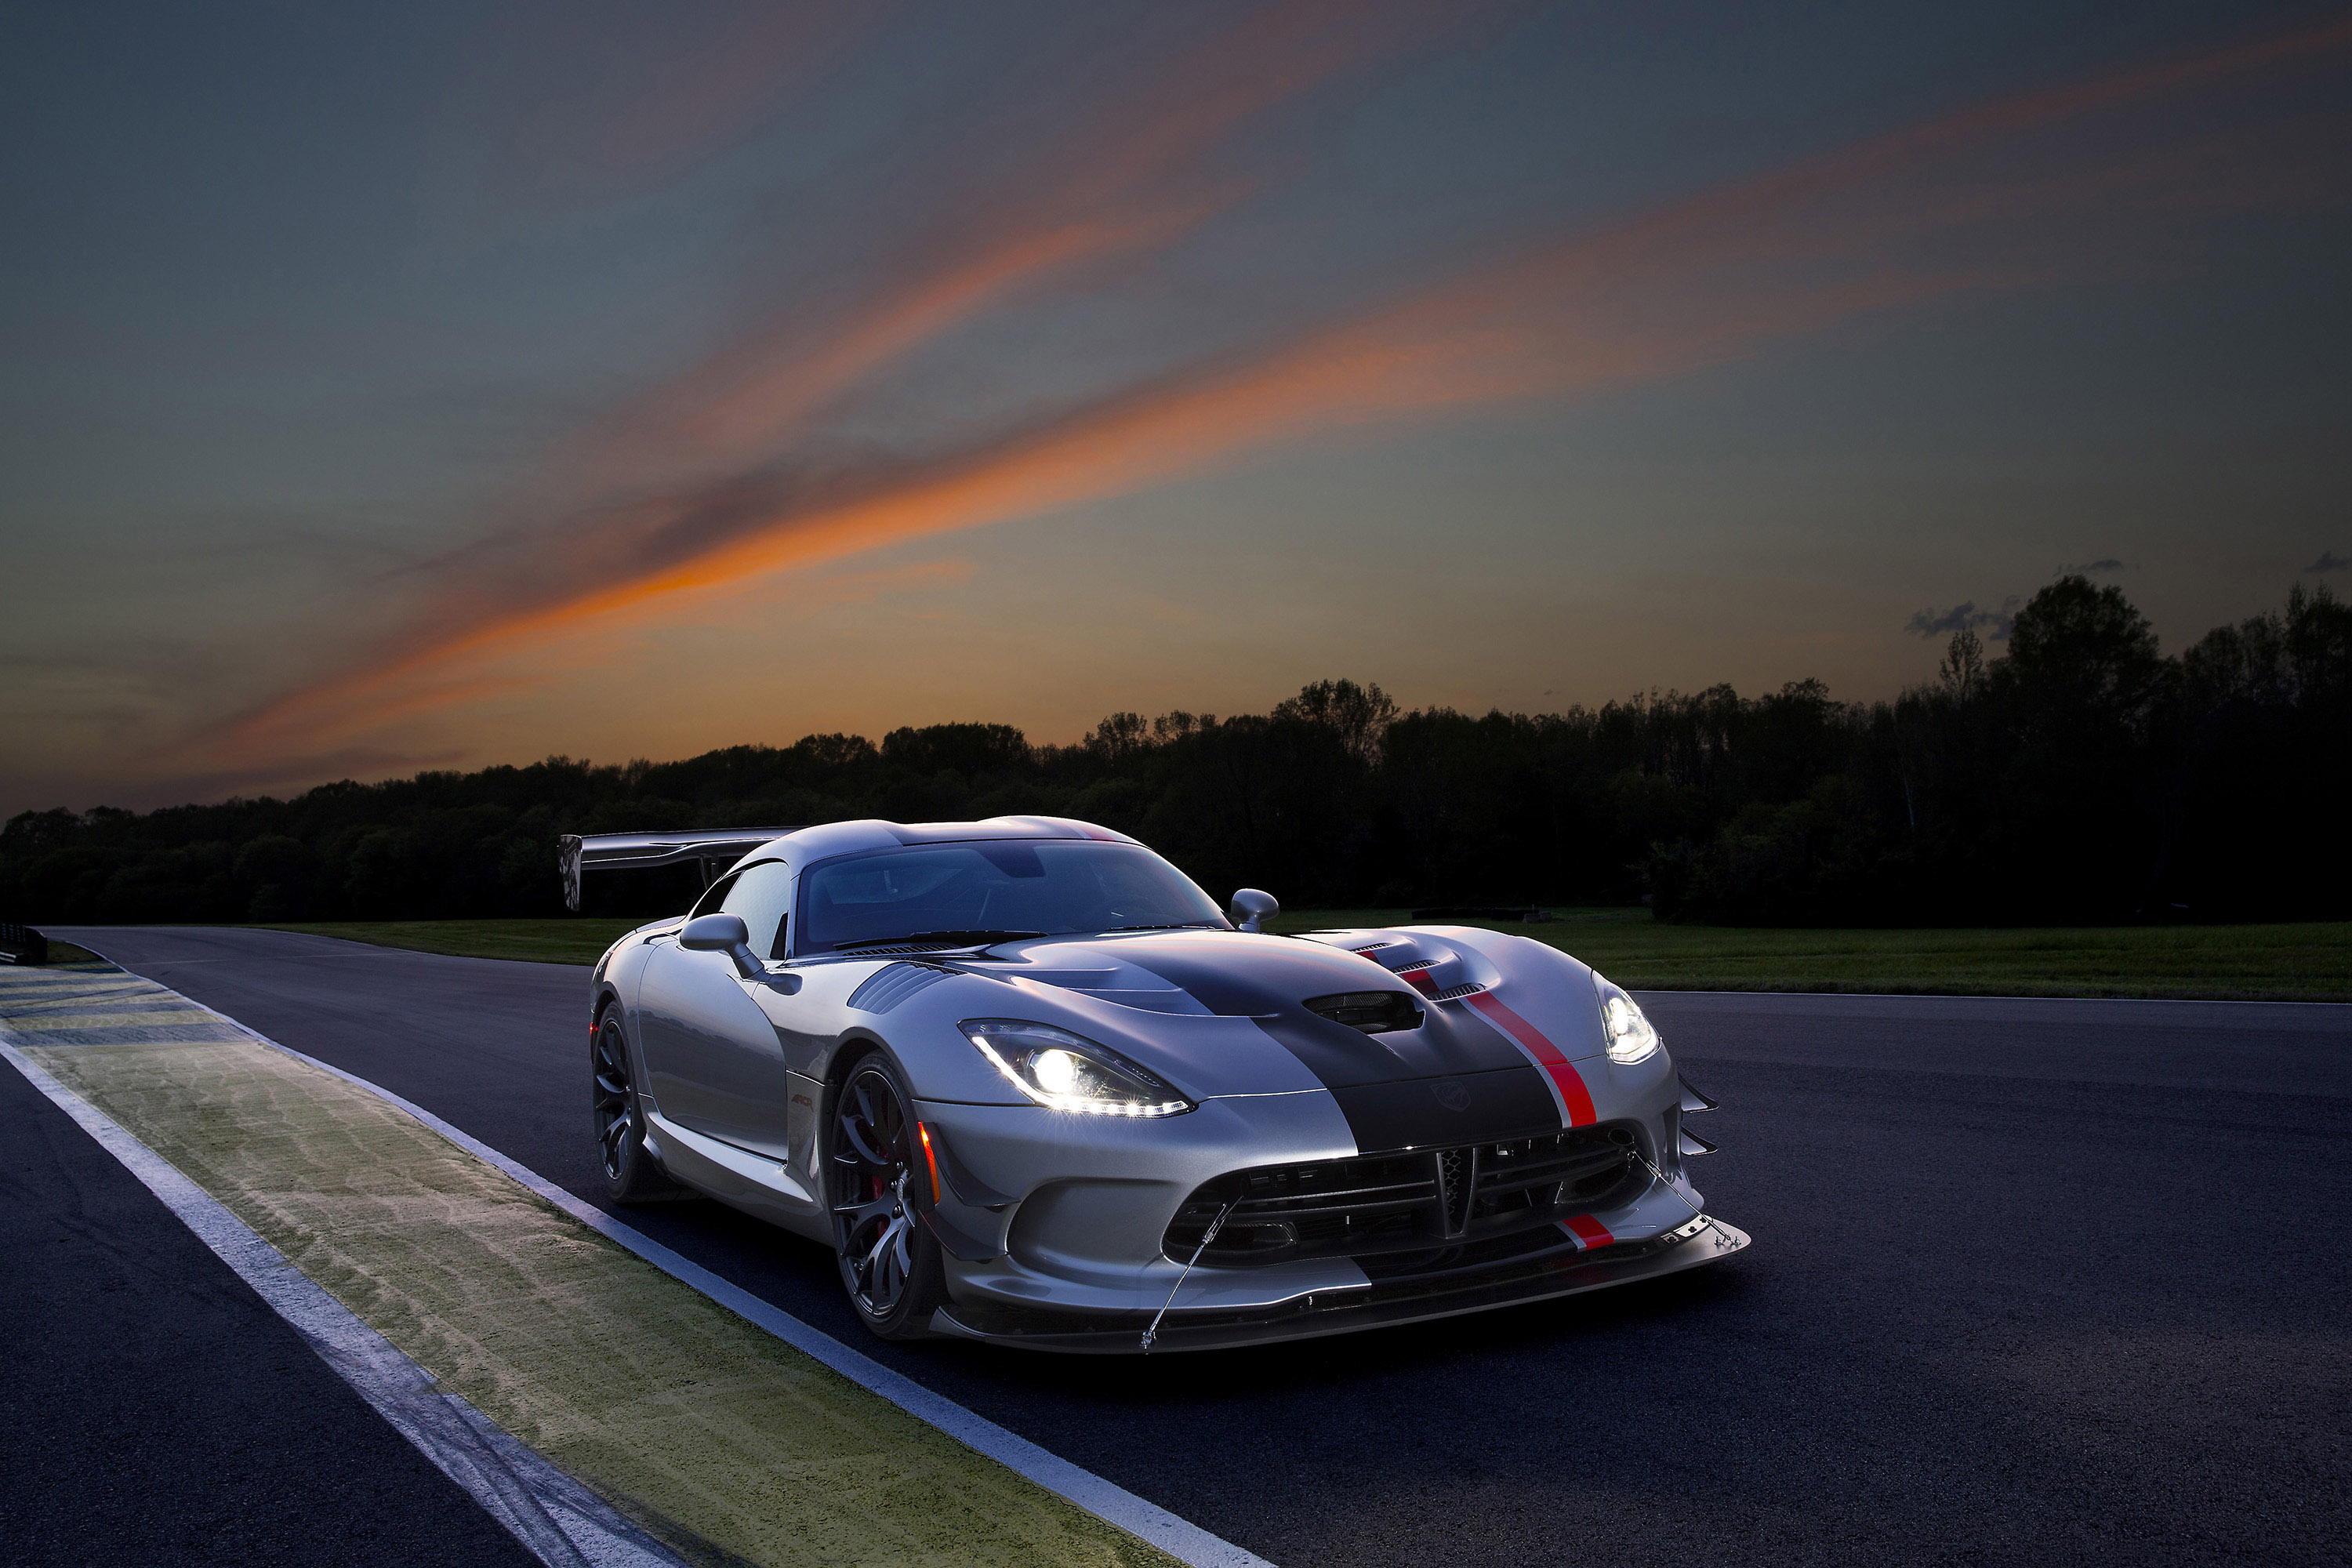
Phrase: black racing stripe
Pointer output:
(1342, 1057)
(1392, 1087)
(1423, 1113)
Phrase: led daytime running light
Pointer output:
(1063, 1071)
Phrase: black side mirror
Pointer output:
(1251, 909)
(726, 934)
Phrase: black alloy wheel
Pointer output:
(631, 1175)
(889, 1259)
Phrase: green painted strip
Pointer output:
(718, 1437)
(134, 1011)
(114, 1018)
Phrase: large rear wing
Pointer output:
(716, 848)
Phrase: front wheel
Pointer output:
(631, 1175)
(889, 1259)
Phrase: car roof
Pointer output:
(832, 838)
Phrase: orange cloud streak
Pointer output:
(1123, 182)
(1690, 282)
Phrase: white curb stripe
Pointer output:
(1180, 1537)
(562, 1523)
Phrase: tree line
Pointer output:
(2081, 775)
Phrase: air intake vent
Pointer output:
(1453, 993)
(1373, 1012)
(1453, 1172)
(885, 988)
(1386, 1206)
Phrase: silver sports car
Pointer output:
(1031, 1087)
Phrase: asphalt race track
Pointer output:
(2032, 1281)
(158, 1411)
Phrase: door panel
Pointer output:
(710, 1053)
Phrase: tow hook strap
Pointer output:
(1635, 1150)
(1152, 1333)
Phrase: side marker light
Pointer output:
(929, 1159)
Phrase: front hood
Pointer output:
(1201, 973)
(1225, 1012)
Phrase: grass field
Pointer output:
(581, 940)
(2307, 963)
(2304, 963)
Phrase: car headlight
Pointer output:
(1631, 1037)
(1057, 1069)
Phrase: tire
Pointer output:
(889, 1260)
(632, 1175)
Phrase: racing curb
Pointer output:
(545, 1509)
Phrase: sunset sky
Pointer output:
(395, 387)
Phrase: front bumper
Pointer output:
(1564, 1271)
(1055, 1233)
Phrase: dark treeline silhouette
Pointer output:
(2080, 776)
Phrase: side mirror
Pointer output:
(723, 933)
(1250, 908)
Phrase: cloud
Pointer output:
(1134, 168)
(1966, 617)
(2328, 561)
(2086, 568)
(864, 587)
(591, 96)
(685, 104)
(719, 478)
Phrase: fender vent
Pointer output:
(1373, 1012)
(886, 987)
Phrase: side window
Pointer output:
(712, 898)
(760, 895)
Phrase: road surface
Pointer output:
(2032, 1281)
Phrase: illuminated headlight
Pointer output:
(1060, 1069)
(1631, 1037)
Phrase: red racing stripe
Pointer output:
(1564, 1076)
(1419, 980)
(1589, 1232)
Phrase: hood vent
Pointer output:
(893, 983)
(1373, 1012)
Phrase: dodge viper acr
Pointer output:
(1030, 1086)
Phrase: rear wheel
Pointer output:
(889, 1259)
(631, 1174)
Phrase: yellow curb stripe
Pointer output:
(23, 995)
(111, 1020)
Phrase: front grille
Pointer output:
(1377, 1204)
(1454, 1187)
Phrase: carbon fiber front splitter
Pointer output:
(1701, 1241)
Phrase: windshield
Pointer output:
(1050, 886)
